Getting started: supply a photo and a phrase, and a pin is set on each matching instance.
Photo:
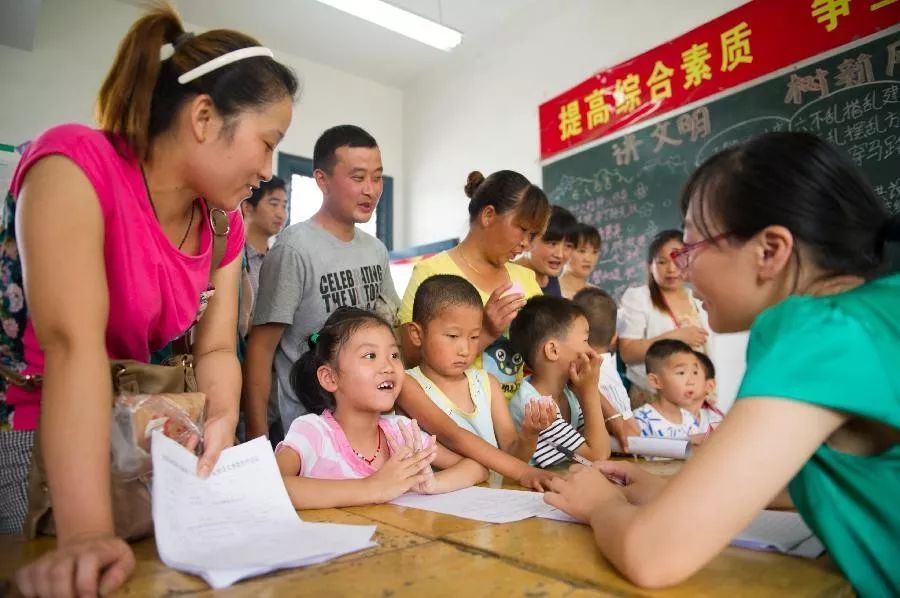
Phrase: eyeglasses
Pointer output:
(682, 257)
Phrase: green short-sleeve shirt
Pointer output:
(841, 352)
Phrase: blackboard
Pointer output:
(628, 186)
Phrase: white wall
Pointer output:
(75, 45)
(480, 111)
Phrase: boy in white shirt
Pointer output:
(674, 373)
(601, 312)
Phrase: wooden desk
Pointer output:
(421, 553)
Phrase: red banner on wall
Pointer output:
(750, 41)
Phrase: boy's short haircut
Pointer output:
(543, 317)
(441, 291)
(662, 350)
(601, 310)
(265, 187)
(562, 226)
(325, 150)
(707, 364)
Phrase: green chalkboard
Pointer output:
(628, 186)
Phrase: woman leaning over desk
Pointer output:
(113, 229)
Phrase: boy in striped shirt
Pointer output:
(552, 334)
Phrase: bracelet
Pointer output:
(612, 417)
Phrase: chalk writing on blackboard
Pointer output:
(629, 185)
(863, 119)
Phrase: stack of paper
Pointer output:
(480, 504)
(239, 522)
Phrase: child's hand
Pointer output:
(621, 429)
(584, 373)
(537, 479)
(539, 414)
(428, 485)
(412, 438)
(403, 470)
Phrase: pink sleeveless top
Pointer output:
(156, 292)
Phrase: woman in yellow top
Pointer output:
(505, 212)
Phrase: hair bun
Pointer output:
(473, 182)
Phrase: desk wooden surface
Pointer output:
(429, 554)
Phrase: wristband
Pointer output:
(612, 417)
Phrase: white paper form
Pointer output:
(480, 504)
(558, 515)
(239, 522)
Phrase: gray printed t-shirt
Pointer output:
(307, 275)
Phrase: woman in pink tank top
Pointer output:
(116, 248)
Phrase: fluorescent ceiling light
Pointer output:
(400, 21)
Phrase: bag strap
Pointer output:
(25, 381)
(220, 227)
(218, 222)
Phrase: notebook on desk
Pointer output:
(780, 531)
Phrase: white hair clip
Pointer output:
(223, 60)
(166, 51)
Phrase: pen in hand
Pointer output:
(579, 459)
(569, 453)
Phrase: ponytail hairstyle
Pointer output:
(324, 348)
(803, 183)
(141, 94)
(656, 245)
(506, 191)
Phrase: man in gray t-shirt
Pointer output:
(315, 267)
(304, 278)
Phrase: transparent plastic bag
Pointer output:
(179, 416)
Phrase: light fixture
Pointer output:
(400, 21)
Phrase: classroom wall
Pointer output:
(480, 110)
(75, 45)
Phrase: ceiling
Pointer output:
(328, 36)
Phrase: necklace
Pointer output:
(468, 263)
(153, 206)
(374, 456)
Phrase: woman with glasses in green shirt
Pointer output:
(785, 237)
